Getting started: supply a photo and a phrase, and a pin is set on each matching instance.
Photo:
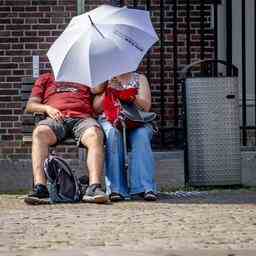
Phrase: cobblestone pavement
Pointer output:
(219, 223)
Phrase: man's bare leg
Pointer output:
(93, 140)
(43, 137)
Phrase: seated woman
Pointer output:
(141, 174)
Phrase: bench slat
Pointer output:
(27, 119)
(28, 80)
(25, 96)
(27, 138)
(68, 142)
(27, 129)
(26, 87)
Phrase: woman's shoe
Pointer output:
(116, 197)
(150, 196)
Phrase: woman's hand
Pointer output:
(54, 113)
(115, 84)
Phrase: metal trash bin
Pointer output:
(212, 148)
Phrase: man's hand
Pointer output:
(54, 113)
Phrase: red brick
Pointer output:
(31, 21)
(18, 53)
(13, 79)
(17, 33)
(31, 14)
(8, 65)
(44, 26)
(30, 39)
(18, 27)
(7, 137)
(44, 8)
(5, 21)
(17, 46)
(21, 150)
(17, 3)
(8, 92)
(5, 111)
(7, 150)
(44, 2)
(5, 46)
(5, 98)
(8, 40)
(5, 9)
(31, 33)
(14, 131)
(17, 59)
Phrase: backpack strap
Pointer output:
(67, 168)
(64, 164)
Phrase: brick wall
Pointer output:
(28, 27)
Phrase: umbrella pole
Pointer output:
(126, 164)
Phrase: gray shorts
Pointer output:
(70, 127)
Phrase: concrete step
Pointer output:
(17, 174)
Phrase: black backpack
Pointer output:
(62, 183)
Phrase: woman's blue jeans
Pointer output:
(141, 170)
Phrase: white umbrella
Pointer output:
(105, 42)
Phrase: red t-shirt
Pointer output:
(72, 99)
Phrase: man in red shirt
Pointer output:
(69, 111)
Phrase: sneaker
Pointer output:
(150, 196)
(116, 197)
(39, 195)
(94, 194)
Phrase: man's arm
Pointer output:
(34, 105)
(99, 88)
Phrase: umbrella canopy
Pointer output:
(105, 42)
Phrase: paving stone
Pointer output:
(171, 226)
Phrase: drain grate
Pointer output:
(184, 195)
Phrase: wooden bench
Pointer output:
(28, 120)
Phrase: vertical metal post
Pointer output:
(229, 35)
(184, 112)
(202, 24)
(148, 4)
(117, 2)
(175, 61)
(215, 11)
(188, 31)
(255, 71)
(244, 75)
(80, 7)
(162, 108)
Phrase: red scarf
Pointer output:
(111, 103)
